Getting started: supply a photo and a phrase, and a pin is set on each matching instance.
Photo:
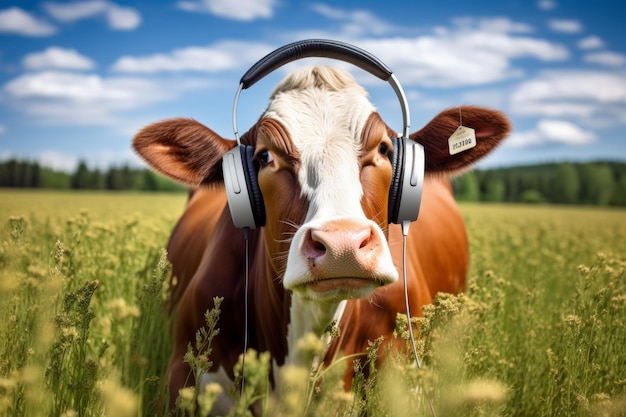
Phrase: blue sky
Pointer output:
(79, 78)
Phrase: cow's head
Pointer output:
(324, 172)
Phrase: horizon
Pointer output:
(80, 78)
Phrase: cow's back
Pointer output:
(191, 234)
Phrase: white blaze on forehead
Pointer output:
(325, 125)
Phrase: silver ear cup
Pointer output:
(411, 183)
(237, 189)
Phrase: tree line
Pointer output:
(591, 183)
(595, 183)
(27, 174)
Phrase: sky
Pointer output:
(79, 78)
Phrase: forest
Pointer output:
(27, 174)
(599, 183)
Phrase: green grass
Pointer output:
(540, 332)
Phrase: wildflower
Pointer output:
(207, 397)
(619, 300)
(310, 346)
(18, 224)
(60, 250)
(7, 384)
(36, 272)
(121, 310)
(483, 392)
(402, 329)
(583, 269)
(69, 333)
(119, 401)
(293, 389)
(572, 320)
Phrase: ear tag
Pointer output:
(462, 139)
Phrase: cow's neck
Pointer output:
(309, 317)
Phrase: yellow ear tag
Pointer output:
(461, 140)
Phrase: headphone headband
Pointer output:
(322, 48)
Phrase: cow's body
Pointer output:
(325, 175)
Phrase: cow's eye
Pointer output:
(383, 149)
(265, 157)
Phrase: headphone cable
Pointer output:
(246, 235)
(405, 231)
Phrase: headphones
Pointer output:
(407, 160)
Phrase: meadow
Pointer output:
(541, 330)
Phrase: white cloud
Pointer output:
(472, 52)
(218, 57)
(101, 159)
(597, 86)
(57, 97)
(244, 10)
(16, 21)
(611, 59)
(565, 25)
(591, 42)
(73, 11)
(547, 4)
(57, 160)
(462, 56)
(118, 17)
(123, 18)
(357, 22)
(593, 97)
(3, 129)
(55, 57)
(552, 131)
(493, 24)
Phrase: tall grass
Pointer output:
(540, 332)
(81, 288)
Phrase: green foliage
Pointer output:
(540, 332)
(467, 188)
(532, 197)
(567, 189)
(593, 183)
(26, 174)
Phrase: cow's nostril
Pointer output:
(314, 246)
(367, 240)
(319, 246)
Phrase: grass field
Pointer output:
(541, 331)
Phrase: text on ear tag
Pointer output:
(462, 139)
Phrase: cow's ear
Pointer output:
(490, 128)
(184, 150)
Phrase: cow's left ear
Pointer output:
(490, 128)
(184, 150)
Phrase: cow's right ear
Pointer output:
(184, 150)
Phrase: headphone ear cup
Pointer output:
(405, 192)
(242, 189)
(254, 191)
(395, 190)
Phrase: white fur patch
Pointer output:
(325, 126)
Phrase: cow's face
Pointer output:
(325, 172)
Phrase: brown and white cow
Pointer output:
(324, 173)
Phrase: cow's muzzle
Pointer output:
(343, 258)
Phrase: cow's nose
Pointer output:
(342, 248)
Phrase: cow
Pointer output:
(323, 156)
